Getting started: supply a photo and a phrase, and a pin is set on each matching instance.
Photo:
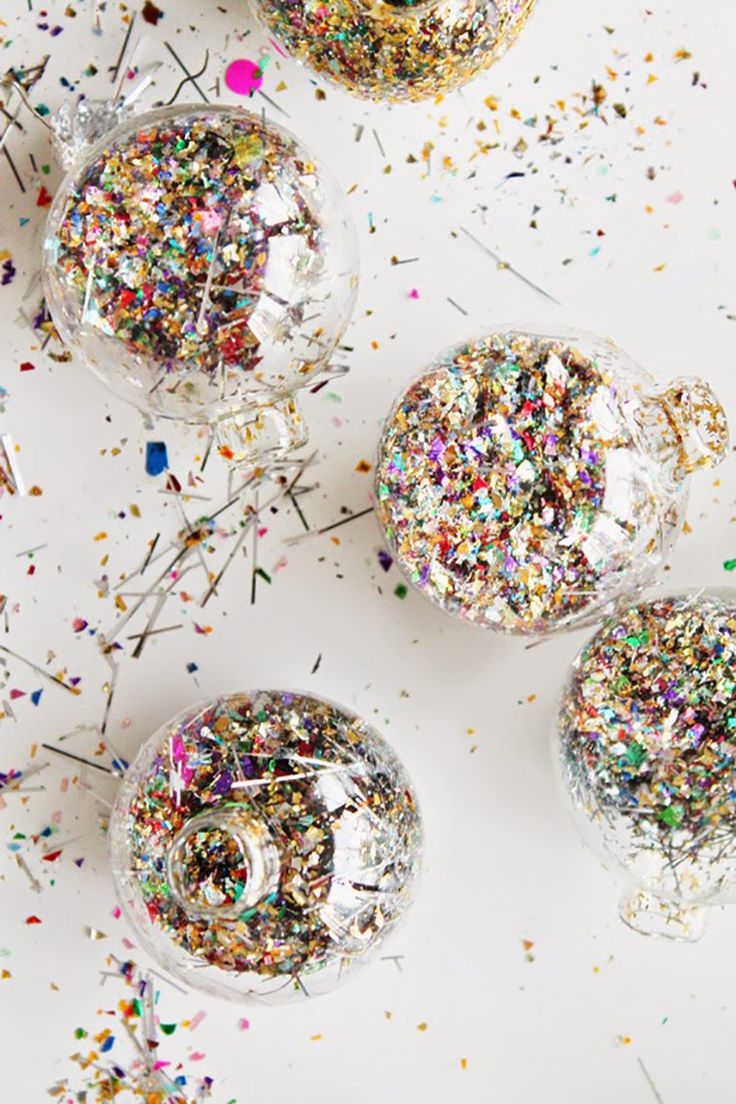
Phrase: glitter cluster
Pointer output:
(524, 481)
(265, 843)
(199, 260)
(647, 744)
(396, 49)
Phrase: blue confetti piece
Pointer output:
(157, 459)
(108, 1044)
(36, 696)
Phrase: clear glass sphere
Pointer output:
(396, 49)
(646, 745)
(528, 482)
(200, 262)
(264, 844)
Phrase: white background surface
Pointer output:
(503, 862)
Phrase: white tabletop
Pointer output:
(628, 221)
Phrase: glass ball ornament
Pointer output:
(264, 844)
(198, 260)
(646, 748)
(396, 49)
(530, 482)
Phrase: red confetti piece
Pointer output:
(26, 366)
(33, 920)
(44, 198)
(52, 856)
(151, 13)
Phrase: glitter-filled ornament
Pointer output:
(264, 844)
(646, 745)
(396, 49)
(530, 482)
(199, 261)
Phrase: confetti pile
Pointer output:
(524, 481)
(397, 49)
(647, 744)
(264, 844)
(147, 1076)
(198, 260)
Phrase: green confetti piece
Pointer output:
(401, 591)
(730, 565)
(636, 754)
(168, 1029)
(672, 815)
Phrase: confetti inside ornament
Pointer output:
(200, 262)
(396, 49)
(264, 844)
(647, 749)
(527, 483)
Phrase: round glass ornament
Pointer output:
(264, 844)
(531, 482)
(199, 261)
(396, 49)
(646, 747)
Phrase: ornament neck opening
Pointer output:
(263, 433)
(77, 126)
(687, 426)
(649, 914)
(221, 863)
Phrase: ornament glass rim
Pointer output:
(677, 478)
(117, 837)
(641, 907)
(260, 398)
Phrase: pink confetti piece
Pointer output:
(243, 77)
